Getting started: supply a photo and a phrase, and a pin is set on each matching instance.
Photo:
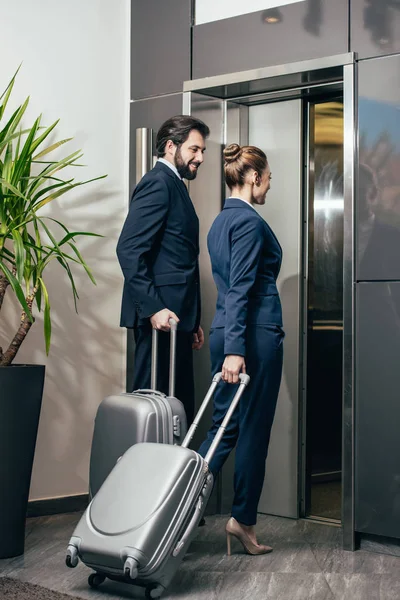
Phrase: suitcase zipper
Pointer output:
(151, 567)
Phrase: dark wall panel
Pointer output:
(378, 409)
(375, 27)
(160, 46)
(150, 113)
(310, 29)
(378, 200)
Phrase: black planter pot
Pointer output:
(21, 390)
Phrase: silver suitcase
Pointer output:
(141, 522)
(142, 416)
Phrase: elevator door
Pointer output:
(323, 434)
(277, 129)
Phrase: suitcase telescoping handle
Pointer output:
(244, 381)
(172, 359)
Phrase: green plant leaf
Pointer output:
(13, 189)
(12, 125)
(17, 290)
(49, 188)
(36, 143)
(46, 315)
(7, 93)
(38, 298)
(19, 255)
(84, 265)
(51, 148)
(22, 162)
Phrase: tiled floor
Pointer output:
(307, 564)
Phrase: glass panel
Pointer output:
(325, 311)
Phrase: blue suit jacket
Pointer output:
(158, 252)
(246, 258)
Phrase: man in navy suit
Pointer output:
(158, 252)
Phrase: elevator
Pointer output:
(302, 116)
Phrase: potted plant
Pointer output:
(29, 242)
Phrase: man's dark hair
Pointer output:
(178, 129)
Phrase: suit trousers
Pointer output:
(250, 427)
(184, 388)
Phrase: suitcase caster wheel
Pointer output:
(71, 560)
(154, 591)
(131, 568)
(96, 579)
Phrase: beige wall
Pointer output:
(76, 66)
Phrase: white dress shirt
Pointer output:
(170, 165)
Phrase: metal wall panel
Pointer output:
(311, 29)
(378, 409)
(378, 201)
(149, 113)
(160, 46)
(374, 27)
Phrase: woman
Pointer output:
(246, 334)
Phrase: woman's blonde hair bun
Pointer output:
(232, 153)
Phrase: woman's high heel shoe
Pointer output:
(234, 529)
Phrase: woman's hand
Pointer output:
(233, 365)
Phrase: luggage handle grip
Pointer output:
(244, 381)
(172, 361)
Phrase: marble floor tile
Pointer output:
(271, 530)
(286, 558)
(364, 587)
(380, 548)
(296, 586)
(336, 560)
(390, 587)
(195, 586)
(308, 563)
(238, 586)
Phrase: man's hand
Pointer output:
(198, 339)
(233, 365)
(160, 320)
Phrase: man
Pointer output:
(158, 252)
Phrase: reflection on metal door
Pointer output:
(276, 129)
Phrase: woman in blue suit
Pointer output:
(246, 334)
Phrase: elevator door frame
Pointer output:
(281, 83)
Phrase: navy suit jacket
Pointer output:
(158, 252)
(246, 258)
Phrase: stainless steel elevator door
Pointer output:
(277, 129)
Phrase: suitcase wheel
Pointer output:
(71, 560)
(96, 579)
(154, 591)
(131, 568)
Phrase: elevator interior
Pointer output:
(297, 118)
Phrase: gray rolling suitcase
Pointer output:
(123, 420)
(140, 524)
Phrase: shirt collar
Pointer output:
(171, 166)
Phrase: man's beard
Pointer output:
(183, 168)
